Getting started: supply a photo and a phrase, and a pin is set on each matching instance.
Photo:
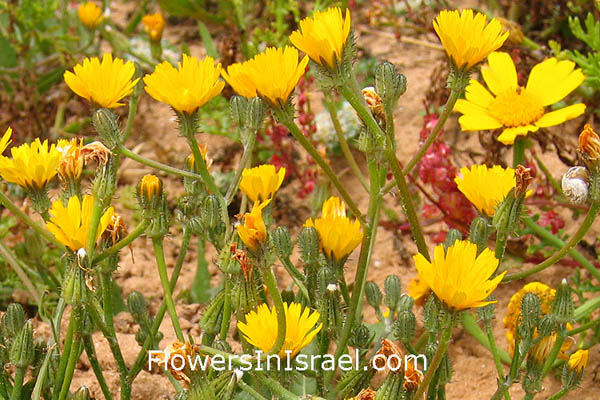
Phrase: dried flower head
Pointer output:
(103, 83)
(174, 356)
(392, 355)
(96, 152)
(374, 102)
(523, 179)
(515, 109)
(467, 38)
(71, 164)
(589, 146)
(188, 87)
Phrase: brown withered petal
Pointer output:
(96, 151)
(589, 146)
(374, 102)
(366, 394)
(389, 348)
(524, 178)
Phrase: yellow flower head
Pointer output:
(459, 277)
(324, 36)
(32, 165)
(271, 75)
(578, 360)
(260, 183)
(6, 139)
(338, 234)
(260, 328)
(516, 109)
(90, 15)
(254, 231)
(150, 187)
(466, 37)
(189, 86)
(103, 83)
(71, 163)
(486, 187)
(71, 225)
(418, 290)
(154, 24)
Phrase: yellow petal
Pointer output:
(500, 74)
(559, 116)
(552, 80)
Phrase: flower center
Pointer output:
(516, 108)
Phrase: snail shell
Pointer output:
(575, 185)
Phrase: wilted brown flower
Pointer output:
(71, 164)
(389, 349)
(589, 146)
(97, 152)
(374, 102)
(166, 359)
(523, 178)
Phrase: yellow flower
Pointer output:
(260, 328)
(486, 187)
(154, 24)
(578, 360)
(466, 37)
(459, 277)
(324, 36)
(271, 75)
(103, 83)
(418, 290)
(189, 86)
(516, 109)
(338, 234)
(150, 187)
(260, 183)
(32, 165)
(5, 141)
(254, 231)
(90, 15)
(72, 160)
(71, 225)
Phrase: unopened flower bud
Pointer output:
(74, 290)
(360, 338)
(573, 369)
(562, 307)
(530, 311)
(547, 325)
(589, 147)
(22, 349)
(404, 327)
(309, 245)
(479, 233)
(353, 380)
(237, 109)
(405, 303)
(389, 84)
(211, 318)
(255, 115)
(12, 321)
(431, 311)
(153, 203)
(136, 303)
(82, 394)
(373, 294)
(107, 127)
(106, 180)
(210, 213)
(391, 388)
(393, 290)
(575, 185)
(282, 243)
(452, 236)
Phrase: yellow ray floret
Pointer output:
(515, 109)
(260, 183)
(459, 277)
(71, 225)
(32, 165)
(189, 86)
(260, 328)
(578, 360)
(103, 83)
(467, 38)
(324, 36)
(486, 187)
(6, 139)
(254, 231)
(271, 75)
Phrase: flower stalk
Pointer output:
(271, 284)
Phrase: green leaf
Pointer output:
(8, 55)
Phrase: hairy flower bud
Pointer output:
(389, 84)
(452, 236)
(373, 294)
(405, 303)
(530, 311)
(431, 311)
(562, 307)
(479, 233)
(22, 349)
(360, 338)
(393, 291)
(211, 318)
(153, 203)
(237, 109)
(486, 313)
(282, 242)
(82, 394)
(404, 327)
(74, 290)
(12, 321)
(309, 245)
(107, 127)
(138, 308)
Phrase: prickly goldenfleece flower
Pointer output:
(467, 38)
(71, 225)
(516, 109)
(458, 276)
(189, 86)
(154, 24)
(271, 75)
(338, 234)
(485, 187)
(323, 36)
(103, 83)
(32, 165)
(90, 15)
(260, 183)
(579, 360)
(254, 231)
(260, 328)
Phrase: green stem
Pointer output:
(90, 350)
(455, 92)
(496, 355)
(296, 275)
(585, 226)
(246, 157)
(519, 151)
(278, 391)
(471, 326)
(138, 364)
(558, 243)
(586, 308)
(166, 286)
(225, 322)
(559, 394)
(134, 100)
(126, 241)
(64, 355)
(94, 222)
(344, 144)
(248, 389)
(12, 261)
(156, 165)
(560, 338)
(73, 356)
(437, 359)
(18, 383)
(17, 212)
(289, 123)
(271, 283)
